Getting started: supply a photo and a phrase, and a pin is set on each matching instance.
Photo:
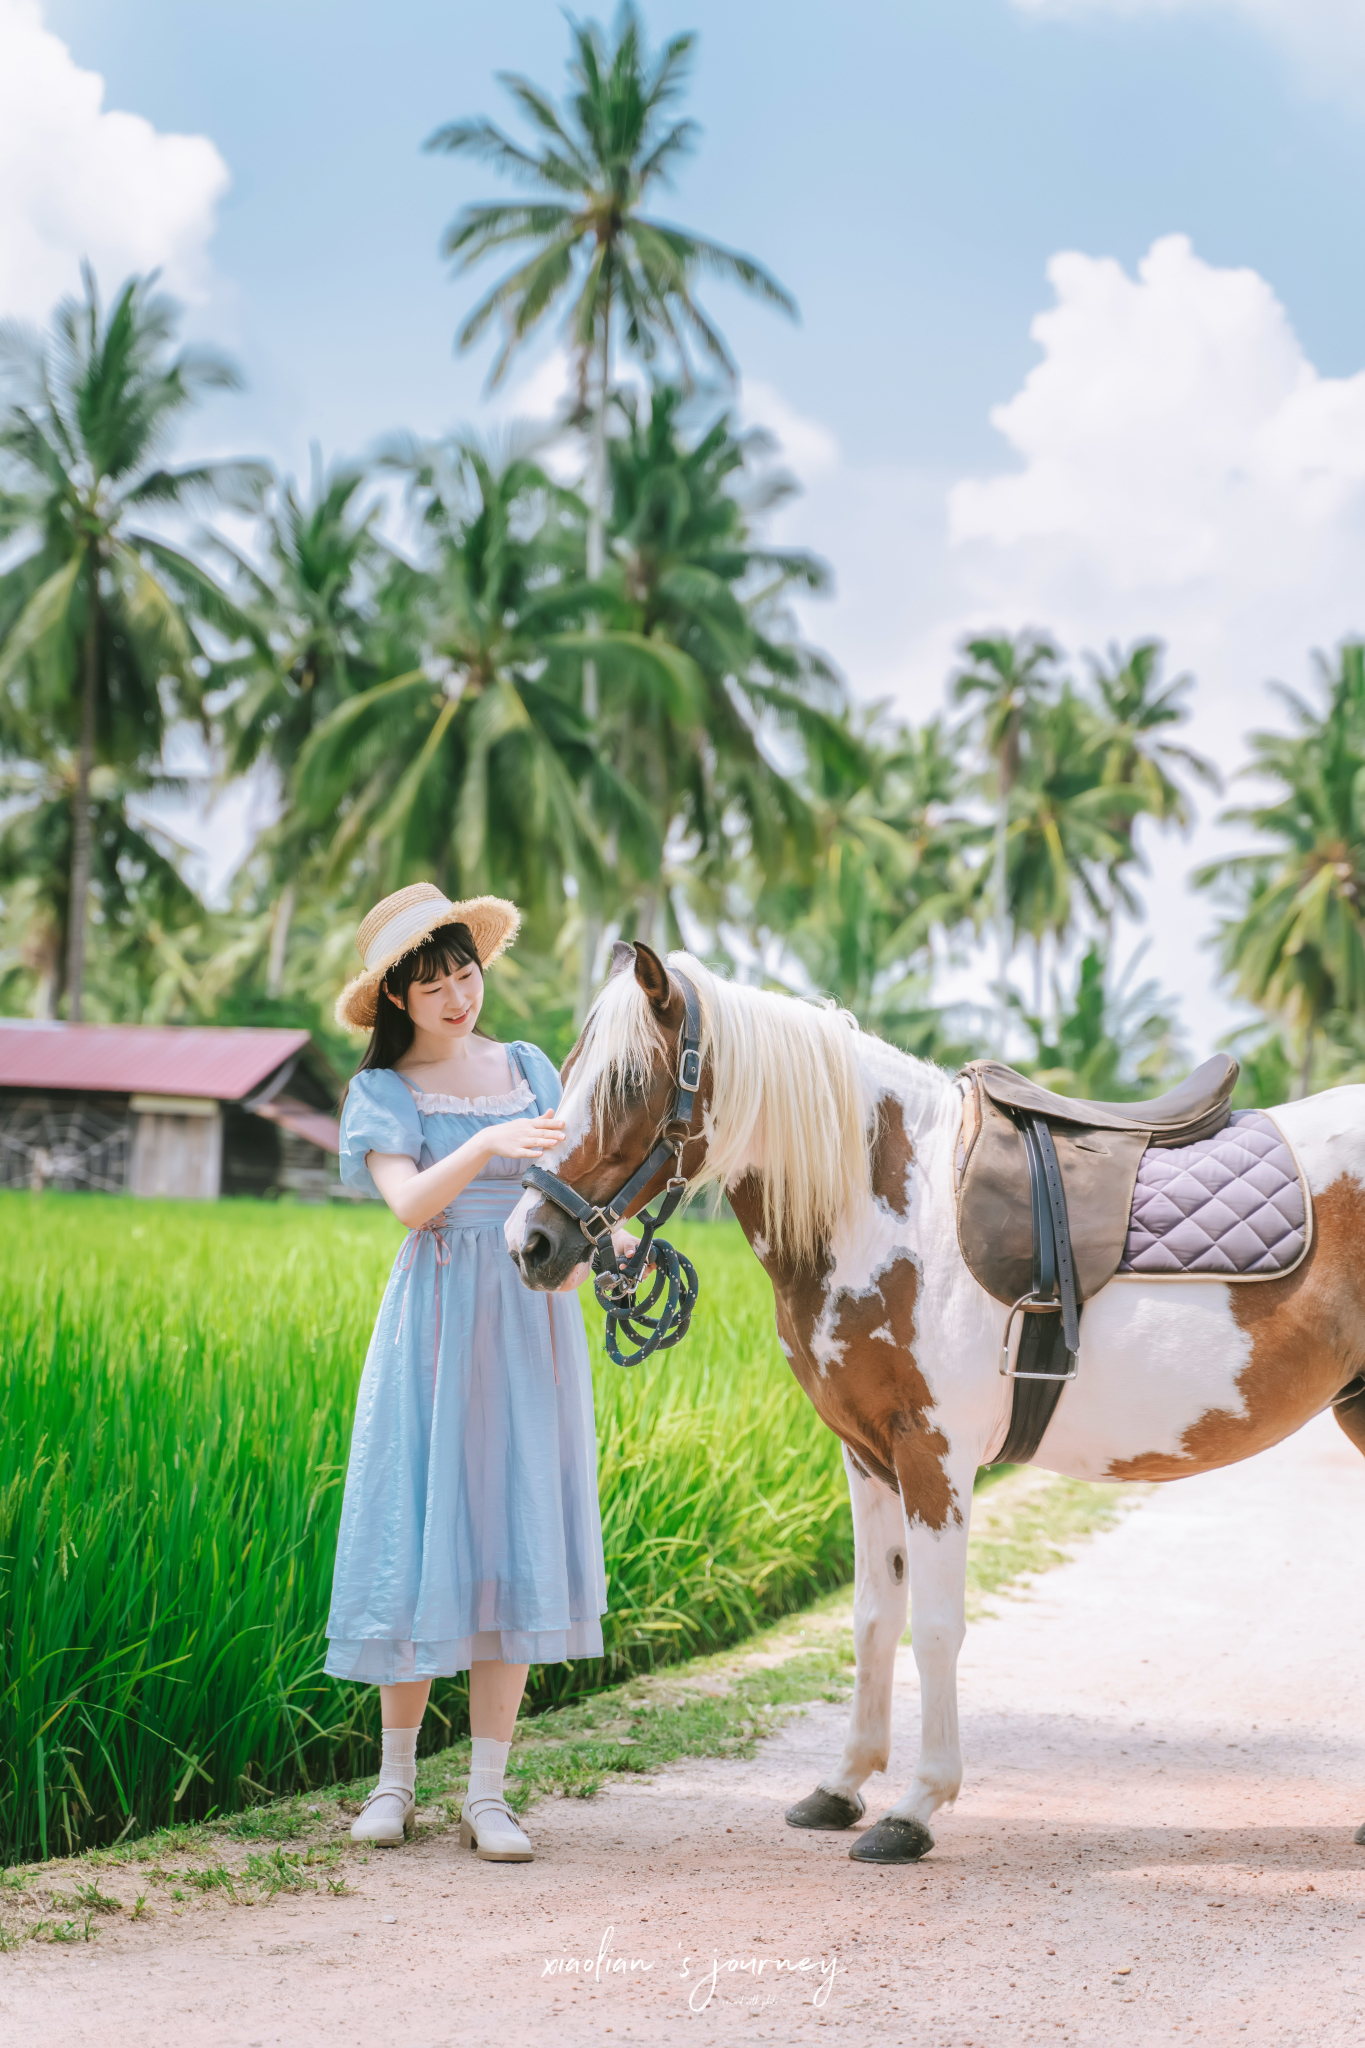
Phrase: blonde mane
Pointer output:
(787, 1096)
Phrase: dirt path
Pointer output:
(1166, 1764)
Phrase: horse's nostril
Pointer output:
(535, 1250)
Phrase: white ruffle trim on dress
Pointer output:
(519, 1097)
(377, 1662)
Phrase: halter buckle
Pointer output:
(689, 1070)
(605, 1223)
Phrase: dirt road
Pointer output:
(1165, 1751)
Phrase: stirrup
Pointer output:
(1021, 1307)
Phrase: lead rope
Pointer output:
(617, 1287)
(673, 1271)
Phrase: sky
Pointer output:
(1082, 324)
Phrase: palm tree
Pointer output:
(471, 766)
(311, 613)
(133, 874)
(1117, 1043)
(1008, 677)
(684, 571)
(97, 616)
(586, 235)
(1298, 946)
(1061, 836)
(889, 873)
(1139, 709)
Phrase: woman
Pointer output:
(470, 1534)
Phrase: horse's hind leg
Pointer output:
(881, 1585)
(1351, 1416)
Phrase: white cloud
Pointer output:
(1326, 37)
(78, 180)
(809, 450)
(1177, 467)
(1183, 468)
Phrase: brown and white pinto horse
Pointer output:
(837, 1154)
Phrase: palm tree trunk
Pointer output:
(591, 932)
(590, 941)
(45, 996)
(45, 951)
(597, 495)
(597, 555)
(80, 837)
(999, 889)
(279, 940)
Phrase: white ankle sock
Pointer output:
(398, 1769)
(486, 1767)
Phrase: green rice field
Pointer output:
(179, 1381)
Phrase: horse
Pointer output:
(836, 1151)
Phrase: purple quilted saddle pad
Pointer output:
(1230, 1205)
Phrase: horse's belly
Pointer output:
(1157, 1360)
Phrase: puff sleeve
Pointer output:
(380, 1116)
(542, 1074)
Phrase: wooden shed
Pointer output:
(150, 1109)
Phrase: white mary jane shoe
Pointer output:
(489, 1828)
(386, 1817)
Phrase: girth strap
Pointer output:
(1039, 1373)
(1054, 1272)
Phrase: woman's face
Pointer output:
(449, 1005)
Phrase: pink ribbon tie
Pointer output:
(434, 1229)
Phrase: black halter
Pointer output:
(615, 1283)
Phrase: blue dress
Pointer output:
(470, 1525)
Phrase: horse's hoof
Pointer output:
(1360, 1834)
(821, 1809)
(892, 1840)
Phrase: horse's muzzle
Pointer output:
(549, 1247)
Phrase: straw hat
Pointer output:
(407, 919)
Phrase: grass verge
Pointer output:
(180, 1381)
(720, 1705)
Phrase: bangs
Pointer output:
(448, 949)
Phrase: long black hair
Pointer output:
(450, 947)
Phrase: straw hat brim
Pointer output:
(493, 924)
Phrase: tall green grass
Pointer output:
(179, 1381)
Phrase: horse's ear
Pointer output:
(652, 976)
(622, 957)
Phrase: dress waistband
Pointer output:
(483, 1205)
(482, 1202)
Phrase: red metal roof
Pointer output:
(219, 1060)
(314, 1124)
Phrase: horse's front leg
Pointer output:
(938, 1624)
(881, 1587)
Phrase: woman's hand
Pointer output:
(624, 1246)
(417, 1195)
(526, 1137)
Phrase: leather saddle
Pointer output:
(1044, 1193)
